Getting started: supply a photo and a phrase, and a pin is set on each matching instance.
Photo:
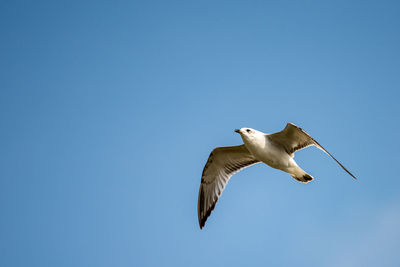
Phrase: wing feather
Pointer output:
(222, 163)
(293, 138)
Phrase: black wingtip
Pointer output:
(202, 223)
(203, 219)
(355, 178)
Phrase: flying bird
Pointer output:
(276, 150)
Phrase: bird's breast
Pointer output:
(268, 153)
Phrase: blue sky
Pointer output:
(109, 110)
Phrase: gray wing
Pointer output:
(222, 163)
(293, 138)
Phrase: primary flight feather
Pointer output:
(276, 150)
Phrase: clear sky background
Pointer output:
(109, 110)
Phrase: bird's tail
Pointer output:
(301, 175)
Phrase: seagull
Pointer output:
(276, 150)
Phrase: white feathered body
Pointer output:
(274, 156)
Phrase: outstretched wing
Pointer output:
(293, 138)
(222, 163)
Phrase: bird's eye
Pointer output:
(248, 130)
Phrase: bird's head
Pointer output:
(248, 133)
